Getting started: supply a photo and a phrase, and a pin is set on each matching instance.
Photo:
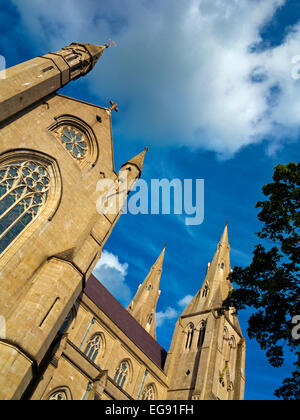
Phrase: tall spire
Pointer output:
(224, 239)
(29, 82)
(143, 305)
(207, 356)
(216, 287)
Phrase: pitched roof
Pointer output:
(118, 314)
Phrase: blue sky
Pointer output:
(208, 87)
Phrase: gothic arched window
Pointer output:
(24, 189)
(93, 347)
(205, 291)
(66, 323)
(148, 393)
(122, 374)
(149, 323)
(224, 343)
(190, 335)
(225, 339)
(232, 347)
(70, 318)
(230, 388)
(202, 334)
(232, 343)
(58, 396)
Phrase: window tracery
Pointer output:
(78, 139)
(148, 393)
(74, 141)
(58, 396)
(121, 374)
(24, 189)
(93, 347)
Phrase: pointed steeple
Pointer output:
(216, 287)
(138, 160)
(143, 305)
(206, 358)
(94, 53)
(224, 239)
(160, 260)
(29, 82)
(114, 198)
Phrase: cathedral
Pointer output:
(66, 337)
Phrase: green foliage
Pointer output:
(270, 284)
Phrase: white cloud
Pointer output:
(112, 275)
(168, 314)
(185, 301)
(182, 71)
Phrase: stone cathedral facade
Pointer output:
(66, 336)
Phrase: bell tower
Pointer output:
(206, 360)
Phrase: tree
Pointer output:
(270, 284)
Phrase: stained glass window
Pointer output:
(24, 188)
(121, 374)
(58, 396)
(74, 141)
(77, 138)
(148, 393)
(93, 347)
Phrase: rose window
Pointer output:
(74, 141)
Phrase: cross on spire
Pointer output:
(113, 106)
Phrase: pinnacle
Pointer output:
(160, 260)
(95, 51)
(145, 300)
(224, 239)
(138, 160)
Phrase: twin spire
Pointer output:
(214, 290)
